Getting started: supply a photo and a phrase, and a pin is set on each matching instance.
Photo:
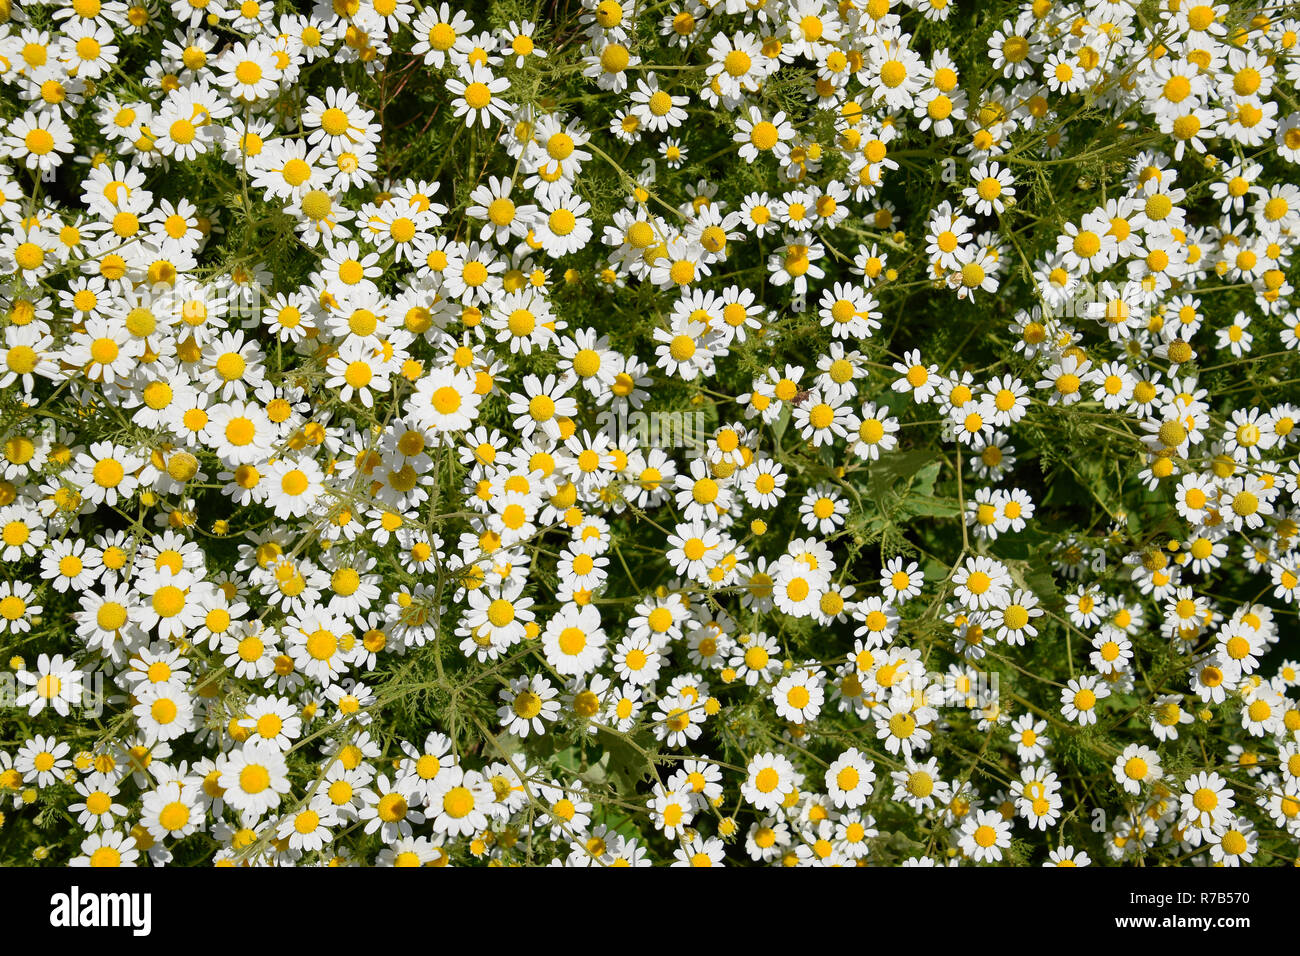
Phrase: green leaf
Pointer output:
(891, 469)
(923, 483)
(1036, 575)
(598, 772)
(919, 505)
(782, 420)
(627, 766)
(902, 485)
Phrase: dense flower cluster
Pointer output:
(700, 432)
